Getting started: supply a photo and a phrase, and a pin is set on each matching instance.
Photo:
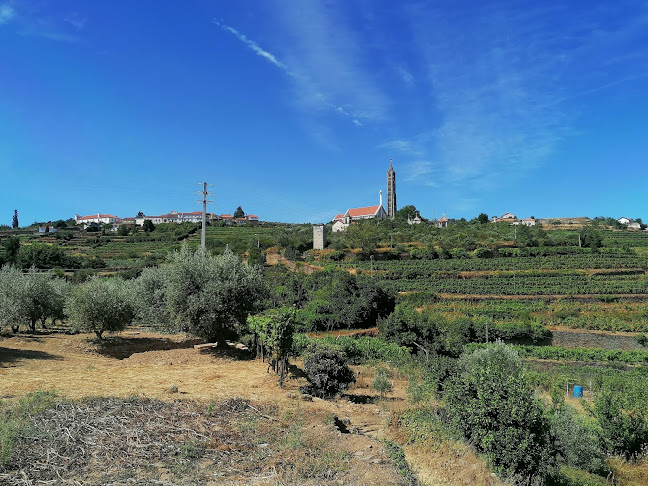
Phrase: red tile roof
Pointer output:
(100, 215)
(443, 219)
(252, 216)
(369, 210)
(339, 217)
(226, 216)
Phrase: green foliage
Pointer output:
(210, 296)
(101, 305)
(26, 298)
(577, 354)
(491, 404)
(148, 226)
(381, 382)
(273, 334)
(576, 439)
(358, 349)
(332, 299)
(624, 425)
(239, 213)
(14, 221)
(326, 369)
(151, 299)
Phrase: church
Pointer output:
(342, 221)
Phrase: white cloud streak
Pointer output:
(254, 46)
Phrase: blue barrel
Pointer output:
(578, 392)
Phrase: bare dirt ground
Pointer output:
(148, 366)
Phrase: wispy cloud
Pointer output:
(76, 20)
(7, 13)
(254, 46)
(311, 94)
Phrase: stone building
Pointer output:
(319, 237)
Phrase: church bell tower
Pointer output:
(391, 191)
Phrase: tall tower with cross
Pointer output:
(391, 191)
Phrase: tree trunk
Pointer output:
(15, 329)
(32, 325)
(99, 335)
(43, 320)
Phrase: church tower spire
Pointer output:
(391, 190)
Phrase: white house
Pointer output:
(529, 222)
(95, 218)
(624, 220)
(342, 221)
(441, 223)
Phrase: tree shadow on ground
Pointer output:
(365, 399)
(120, 347)
(11, 355)
(295, 372)
(230, 353)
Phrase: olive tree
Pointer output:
(491, 404)
(101, 305)
(150, 297)
(13, 298)
(27, 298)
(210, 296)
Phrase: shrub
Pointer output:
(327, 371)
(381, 382)
(576, 439)
(491, 404)
(101, 305)
(624, 426)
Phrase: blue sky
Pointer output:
(293, 109)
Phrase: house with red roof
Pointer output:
(342, 221)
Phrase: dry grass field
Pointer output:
(225, 416)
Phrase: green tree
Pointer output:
(482, 218)
(491, 404)
(403, 213)
(123, 230)
(148, 226)
(150, 297)
(11, 248)
(590, 238)
(101, 305)
(14, 222)
(363, 234)
(210, 296)
(239, 213)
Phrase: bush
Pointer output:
(327, 371)
(576, 439)
(101, 305)
(624, 425)
(381, 382)
(491, 404)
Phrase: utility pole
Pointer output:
(204, 201)
(371, 258)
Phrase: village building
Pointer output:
(442, 223)
(624, 220)
(529, 222)
(95, 218)
(342, 221)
